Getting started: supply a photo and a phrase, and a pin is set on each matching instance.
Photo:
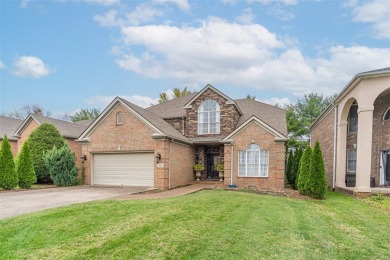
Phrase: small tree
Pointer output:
(295, 171)
(41, 140)
(25, 168)
(290, 163)
(8, 177)
(316, 185)
(304, 170)
(62, 165)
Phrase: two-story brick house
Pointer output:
(158, 146)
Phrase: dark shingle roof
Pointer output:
(271, 115)
(67, 129)
(84, 122)
(157, 121)
(172, 108)
(8, 127)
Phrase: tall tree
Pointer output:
(41, 140)
(85, 114)
(25, 168)
(8, 177)
(250, 97)
(177, 92)
(304, 170)
(295, 168)
(24, 111)
(290, 164)
(316, 185)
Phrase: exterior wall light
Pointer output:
(83, 157)
(158, 157)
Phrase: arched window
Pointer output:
(119, 118)
(253, 162)
(386, 116)
(353, 118)
(209, 117)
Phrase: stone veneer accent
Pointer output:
(229, 115)
(381, 134)
(323, 132)
(178, 123)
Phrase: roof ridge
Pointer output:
(261, 102)
(70, 122)
(173, 99)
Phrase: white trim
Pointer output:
(218, 119)
(278, 136)
(106, 113)
(384, 114)
(246, 163)
(25, 123)
(381, 168)
(208, 86)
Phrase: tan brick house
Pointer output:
(354, 133)
(158, 146)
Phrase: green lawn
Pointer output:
(209, 224)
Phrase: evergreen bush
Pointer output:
(8, 177)
(290, 163)
(61, 164)
(44, 138)
(25, 168)
(304, 170)
(295, 171)
(316, 185)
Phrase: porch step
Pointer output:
(213, 182)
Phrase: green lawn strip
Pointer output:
(208, 224)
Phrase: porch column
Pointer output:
(364, 146)
(341, 160)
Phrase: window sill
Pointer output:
(262, 177)
(119, 124)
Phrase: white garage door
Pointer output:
(134, 169)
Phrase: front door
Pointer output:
(212, 161)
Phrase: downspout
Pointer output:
(231, 164)
(334, 148)
(169, 166)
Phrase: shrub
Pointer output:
(304, 170)
(44, 138)
(295, 171)
(25, 168)
(8, 177)
(290, 163)
(220, 167)
(198, 167)
(316, 185)
(61, 164)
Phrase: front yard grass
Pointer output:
(205, 225)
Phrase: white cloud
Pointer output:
(24, 3)
(277, 101)
(102, 2)
(103, 101)
(246, 16)
(229, 2)
(376, 13)
(281, 13)
(2, 65)
(30, 66)
(182, 4)
(267, 2)
(217, 51)
(141, 14)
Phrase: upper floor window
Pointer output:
(119, 118)
(209, 117)
(387, 114)
(353, 118)
(253, 162)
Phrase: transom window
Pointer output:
(253, 162)
(353, 118)
(351, 160)
(209, 117)
(119, 118)
(386, 116)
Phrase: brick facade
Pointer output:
(14, 146)
(323, 132)
(228, 115)
(381, 134)
(266, 141)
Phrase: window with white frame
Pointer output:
(351, 160)
(353, 118)
(119, 118)
(253, 162)
(386, 115)
(209, 117)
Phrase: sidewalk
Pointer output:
(166, 194)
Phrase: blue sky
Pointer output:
(69, 54)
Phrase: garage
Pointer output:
(129, 169)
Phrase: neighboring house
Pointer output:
(8, 127)
(354, 133)
(158, 146)
(69, 130)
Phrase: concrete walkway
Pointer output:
(166, 194)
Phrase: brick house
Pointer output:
(354, 133)
(158, 146)
(18, 131)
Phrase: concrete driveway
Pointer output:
(21, 202)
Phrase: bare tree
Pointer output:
(24, 111)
